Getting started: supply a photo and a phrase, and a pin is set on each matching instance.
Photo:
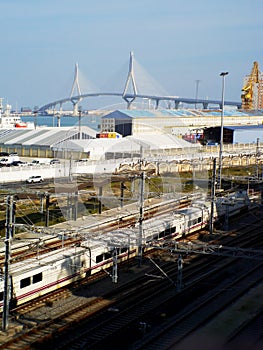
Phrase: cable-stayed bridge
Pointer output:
(133, 89)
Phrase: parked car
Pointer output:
(4, 154)
(40, 161)
(19, 163)
(33, 162)
(7, 161)
(34, 179)
(83, 160)
(55, 161)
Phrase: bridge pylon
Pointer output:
(75, 99)
(130, 82)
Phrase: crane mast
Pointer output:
(249, 90)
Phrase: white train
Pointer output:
(45, 273)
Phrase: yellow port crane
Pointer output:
(249, 87)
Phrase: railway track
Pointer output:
(181, 325)
(132, 309)
(142, 308)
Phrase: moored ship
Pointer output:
(10, 119)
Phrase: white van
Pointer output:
(7, 161)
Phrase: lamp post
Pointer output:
(248, 182)
(223, 74)
(80, 111)
(35, 116)
(196, 91)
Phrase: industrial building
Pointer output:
(39, 142)
(174, 121)
(233, 134)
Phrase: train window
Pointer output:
(161, 234)
(1, 295)
(107, 256)
(123, 250)
(38, 277)
(25, 282)
(99, 258)
(167, 232)
(199, 219)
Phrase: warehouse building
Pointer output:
(39, 142)
(174, 121)
(64, 142)
(233, 134)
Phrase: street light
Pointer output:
(248, 182)
(223, 74)
(80, 111)
(35, 116)
(196, 91)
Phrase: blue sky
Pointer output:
(176, 42)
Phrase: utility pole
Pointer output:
(115, 265)
(75, 213)
(47, 209)
(213, 183)
(257, 157)
(9, 231)
(100, 199)
(122, 188)
(180, 273)
(141, 217)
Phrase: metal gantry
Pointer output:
(186, 248)
(210, 249)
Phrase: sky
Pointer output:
(177, 43)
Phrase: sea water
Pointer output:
(92, 121)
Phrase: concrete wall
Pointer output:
(14, 174)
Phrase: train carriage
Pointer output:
(47, 272)
(35, 277)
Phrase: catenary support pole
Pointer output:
(213, 183)
(115, 265)
(9, 225)
(141, 217)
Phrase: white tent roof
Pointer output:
(126, 144)
(162, 141)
